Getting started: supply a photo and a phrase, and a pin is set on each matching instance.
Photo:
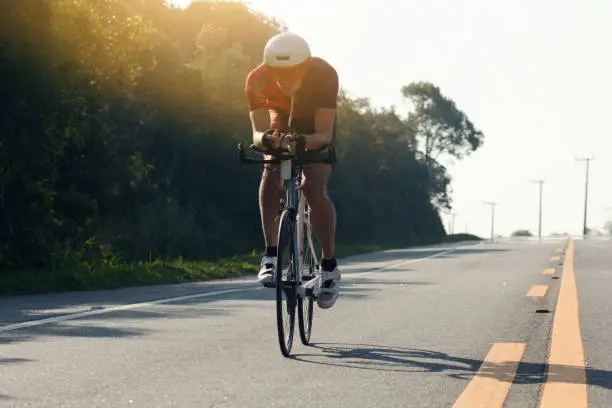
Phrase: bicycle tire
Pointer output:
(305, 315)
(288, 287)
(306, 305)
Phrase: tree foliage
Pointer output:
(118, 134)
(522, 233)
(436, 120)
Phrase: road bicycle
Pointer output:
(297, 277)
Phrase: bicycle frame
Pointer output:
(291, 175)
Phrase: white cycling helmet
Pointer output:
(286, 50)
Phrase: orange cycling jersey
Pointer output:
(319, 90)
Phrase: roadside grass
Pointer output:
(115, 275)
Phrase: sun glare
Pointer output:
(180, 3)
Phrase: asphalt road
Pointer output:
(474, 325)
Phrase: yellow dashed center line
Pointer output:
(537, 290)
(566, 374)
(490, 385)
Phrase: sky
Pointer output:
(534, 76)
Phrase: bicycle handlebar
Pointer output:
(280, 155)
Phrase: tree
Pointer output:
(441, 128)
(522, 233)
(119, 133)
(436, 120)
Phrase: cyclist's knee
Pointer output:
(270, 176)
(314, 188)
(315, 179)
(270, 181)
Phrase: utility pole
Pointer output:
(451, 222)
(492, 205)
(540, 182)
(586, 193)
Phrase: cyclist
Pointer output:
(291, 89)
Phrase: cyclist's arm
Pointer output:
(260, 122)
(324, 127)
(325, 115)
(258, 107)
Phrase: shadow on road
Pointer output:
(398, 359)
(4, 361)
(115, 323)
(95, 326)
(67, 329)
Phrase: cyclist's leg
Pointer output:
(323, 220)
(322, 211)
(270, 192)
(314, 186)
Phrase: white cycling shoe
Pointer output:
(266, 273)
(329, 292)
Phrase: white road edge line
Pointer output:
(409, 261)
(72, 316)
(40, 322)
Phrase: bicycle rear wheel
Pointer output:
(306, 304)
(286, 286)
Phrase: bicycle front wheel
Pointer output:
(286, 286)
(306, 304)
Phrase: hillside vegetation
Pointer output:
(119, 124)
